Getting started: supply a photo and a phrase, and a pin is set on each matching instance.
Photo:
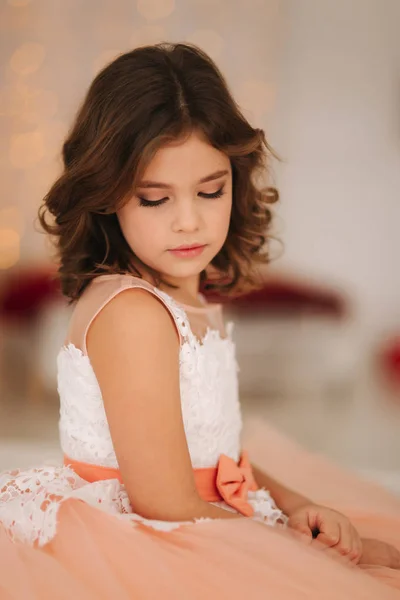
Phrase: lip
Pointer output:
(188, 247)
(188, 251)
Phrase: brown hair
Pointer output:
(142, 100)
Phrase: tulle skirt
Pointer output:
(95, 555)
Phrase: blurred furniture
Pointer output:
(283, 295)
(26, 297)
(293, 338)
(389, 362)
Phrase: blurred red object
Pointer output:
(286, 296)
(391, 359)
(24, 292)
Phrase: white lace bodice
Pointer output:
(209, 398)
(29, 500)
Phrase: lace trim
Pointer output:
(30, 500)
(265, 509)
(179, 314)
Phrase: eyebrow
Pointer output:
(167, 186)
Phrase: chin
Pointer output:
(182, 271)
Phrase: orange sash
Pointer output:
(229, 481)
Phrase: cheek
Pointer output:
(136, 224)
(220, 218)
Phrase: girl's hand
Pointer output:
(329, 527)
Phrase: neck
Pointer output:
(187, 288)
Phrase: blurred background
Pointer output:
(319, 345)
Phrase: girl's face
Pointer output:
(183, 201)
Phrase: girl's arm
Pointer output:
(286, 499)
(133, 347)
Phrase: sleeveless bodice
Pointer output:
(30, 500)
(209, 397)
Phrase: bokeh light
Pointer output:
(10, 241)
(13, 99)
(28, 58)
(26, 149)
(11, 218)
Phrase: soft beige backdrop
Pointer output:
(52, 49)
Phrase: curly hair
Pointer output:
(142, 100)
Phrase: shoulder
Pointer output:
(106, 287)
(135, 308)
(118, 303)
(132, 336)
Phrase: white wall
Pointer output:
(337, 125)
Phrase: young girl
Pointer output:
(157, 495)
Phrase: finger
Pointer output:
(356, 553)
(332, 553)
(338, 556)
(301, 525)
(356, 545)
(346, 541)
(329, 533)
(303, 529)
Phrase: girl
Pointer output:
(159, 194)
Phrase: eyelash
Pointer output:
(144, 202)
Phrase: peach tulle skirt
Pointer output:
(94, 555)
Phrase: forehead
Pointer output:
(192, 160)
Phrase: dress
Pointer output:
(63, 535)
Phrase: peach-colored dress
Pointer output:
(64, 534)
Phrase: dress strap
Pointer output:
(101, 291)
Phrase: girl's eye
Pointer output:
(216, 194)
(144, 202)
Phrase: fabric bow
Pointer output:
(234, 481)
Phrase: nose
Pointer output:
(186, 217)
